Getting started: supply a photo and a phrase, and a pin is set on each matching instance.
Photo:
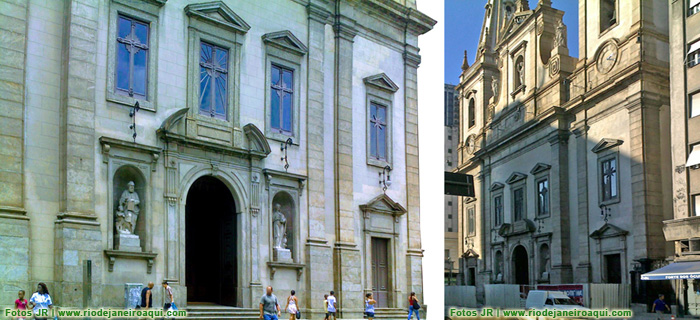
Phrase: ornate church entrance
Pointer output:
(210, 237)
(520, 265)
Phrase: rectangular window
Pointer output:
(608, 14)
(131, 75)
(378, 123)
(472, 227)
(695, 105)
(213, 80)
(543, 197)
(696, 206)
(498, 210)
(449, 216)
(693, 54)
(449, 229)
(693, 7)
(449, 150)
(518, 204)
(281, 99)
(608, 179)
(449, 203)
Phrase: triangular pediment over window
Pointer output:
(381, 81)
(540, 167)
(383, 204)
(256, 140)
(470, 253)
(286, 40)
(608, 231)
(217, 13)
(515, 177)
(496, 186)
(606, 144)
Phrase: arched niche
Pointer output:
(120, 181)
(288, 208)
(544, 262)
(498, 266)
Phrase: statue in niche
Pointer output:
(128, 210)
(499, 276)
(521, 72)
(494, 87)
(279, 227)
(545, 265)
(560, 35)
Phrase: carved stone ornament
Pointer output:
(554, 66)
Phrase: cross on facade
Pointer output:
(133, 45)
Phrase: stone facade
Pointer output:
(683, 230)
(571, 156)
(452, 246)
(71, 142)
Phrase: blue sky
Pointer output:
(463, 20)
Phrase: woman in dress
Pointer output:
(412, 300)
(292, 304)
(40, 300)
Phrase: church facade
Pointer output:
(222, 146)
(570, 156)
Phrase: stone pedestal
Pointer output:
(282, 255)
(560, 50)
(132, 295)
(128, 242)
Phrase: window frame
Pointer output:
(497, 215)
(602, 31)
(692, 10)
(540, 213)
(514, 188)
(471, 112)
(694, 205)
(602, 159)
(275, 88)
(471, 220)
(212, 113)
(370, 127)
(385, 97)
(145, 13)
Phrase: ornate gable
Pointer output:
(515, 177)
(606, 144)
(496, 186)
(286, 41)
(217, 13)
(383, 204)
(540, 167)
(256, 140)
(608, 231)
(381, 81)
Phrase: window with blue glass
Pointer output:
(132, 57)
(378, 128)
(213, 80)
(281, 99)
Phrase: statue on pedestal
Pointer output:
(128, 210)
(279, 227)
(560, 35)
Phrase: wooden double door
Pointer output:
(380, 271)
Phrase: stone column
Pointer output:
(319, 278)
(346, 259)
(77, 235)
(14, 222)
(583, 269)
(414, 253)
(559, 199)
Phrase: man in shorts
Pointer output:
(332, 308)
(269, 307)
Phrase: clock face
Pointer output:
(471, 144)
(607, 57)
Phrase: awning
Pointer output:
(694, 157)
(694, 47)
(676, 270)
(693, 3)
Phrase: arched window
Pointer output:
(472, 117)
(519, 72)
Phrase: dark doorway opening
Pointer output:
(613, 269)
(210, 238)
(520, 265)
(380, 271)
(471, 279)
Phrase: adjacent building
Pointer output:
(452, 219)
(223, 146)
(571, 157)
(683, 231)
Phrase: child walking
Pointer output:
(21, 303)
(369, 306)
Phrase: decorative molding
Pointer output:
(382, 204)
(605, 144)
(381, 81)
(285, 40)
(515, 177)
(608, 231)
(112, 256)
(218, 14)
(283, 265)
(496, 186)
(540, 167)
(173, 119)
(108, 144)
(256, 140)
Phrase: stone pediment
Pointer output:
(383, 204)
(381, 81)
(516, 21)
(219, 14)
(256, 140)
(515, 177)
(496, 186)
(285, 40)
(606, 144)
(470, 254)
(172, 120)
(516, 228)
(540, 167)
(608, 231)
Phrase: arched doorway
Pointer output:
(210, 243)
(520, 265)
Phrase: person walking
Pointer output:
(269, 306)
(291, 307)
(660, 306)
(21, 303)
(40, 300)
(325, 305)
(369, 306)
(332, 307)
(413, 306)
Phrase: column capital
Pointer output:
(317, 12)
(344, 28)
(580, 128)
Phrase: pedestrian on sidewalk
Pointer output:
(413, 306)
(369, 306)
(40, 300)
(332, 308)
(325, 306)
(660, 306)
(291, 307)
(169, 297)
(21, 303)
(269, 306)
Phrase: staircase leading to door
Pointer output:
(391, 313)
(221, 312)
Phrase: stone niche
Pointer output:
(123, 203)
